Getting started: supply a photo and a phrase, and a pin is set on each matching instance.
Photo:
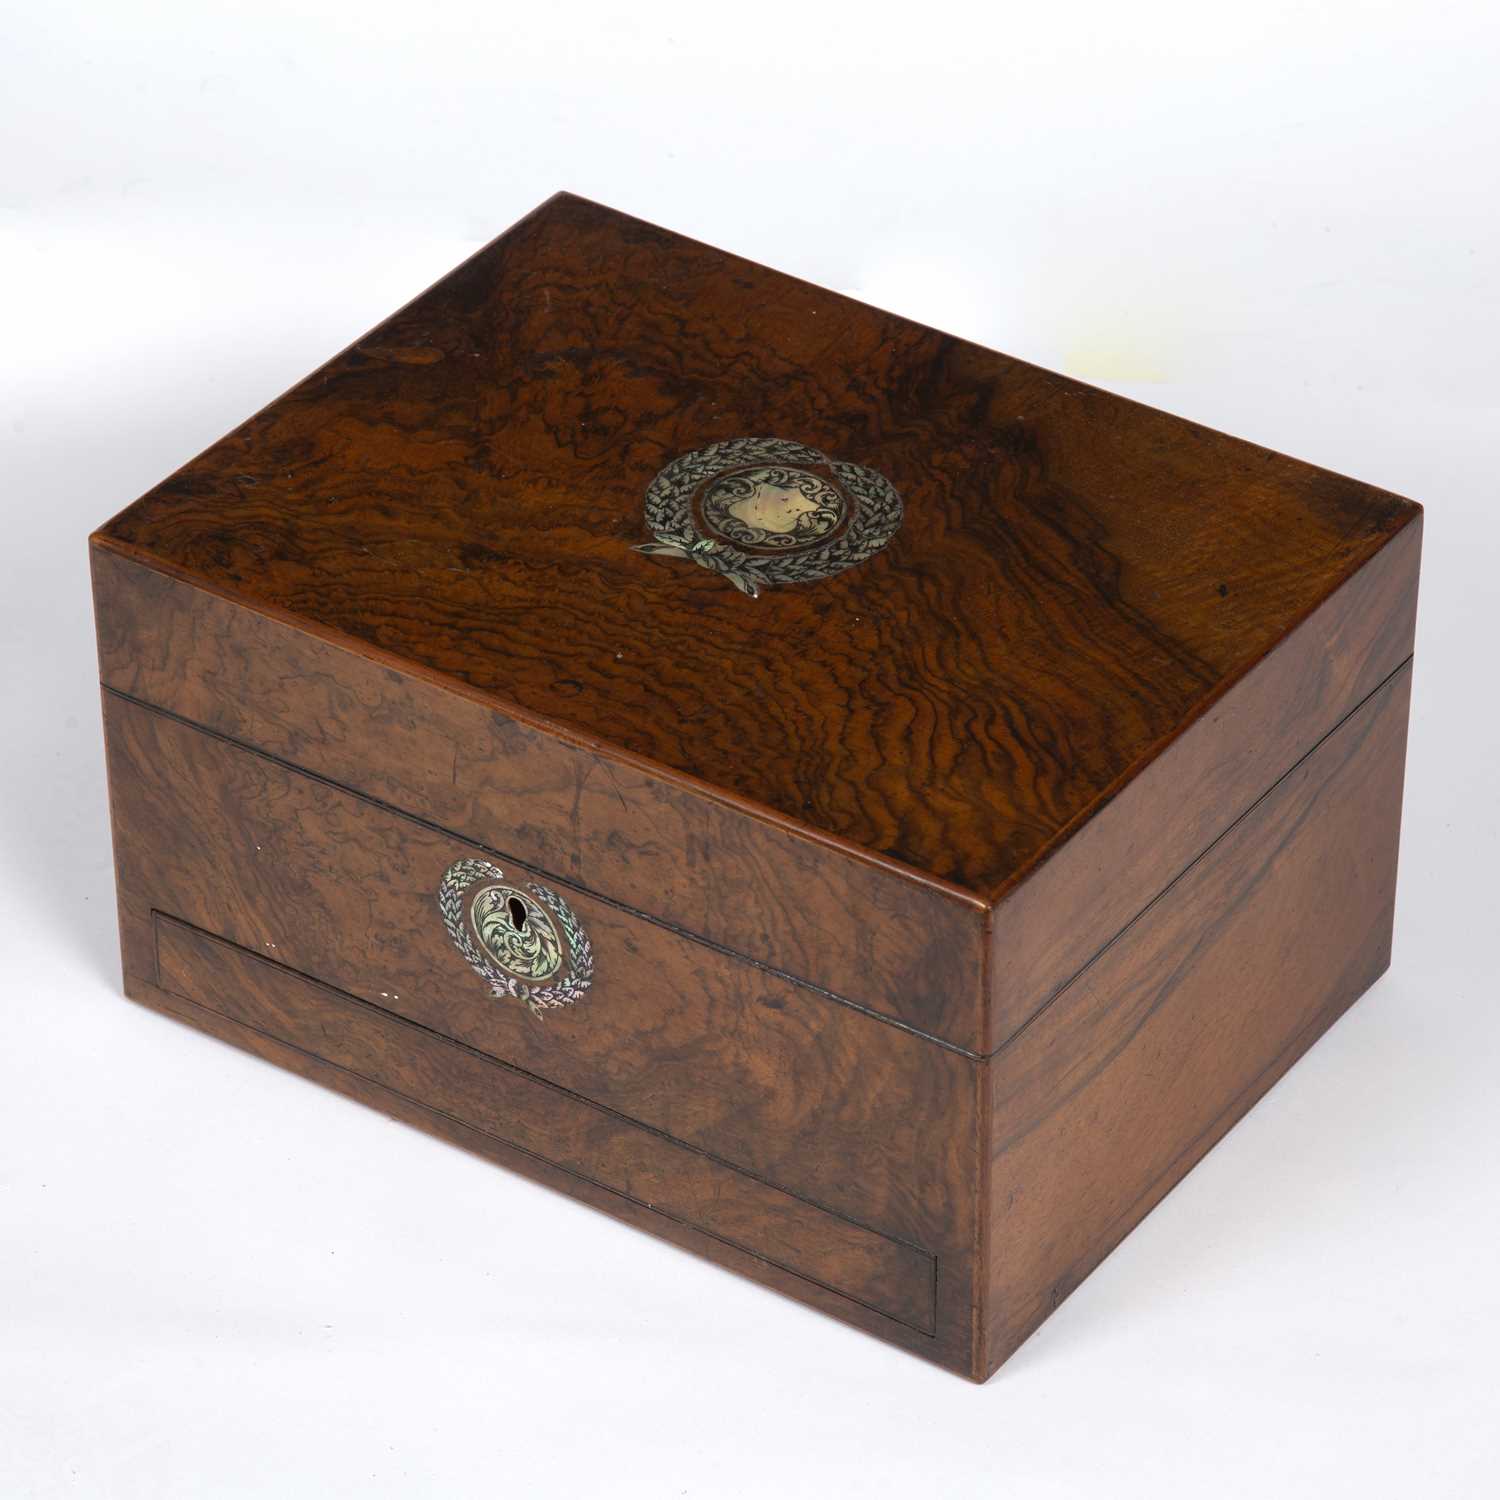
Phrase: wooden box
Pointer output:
(856, 805)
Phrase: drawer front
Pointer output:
(758, 1092)
(549, 1123)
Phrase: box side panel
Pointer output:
(892, 943)
(1112, 1094)
(817, 1147)
(1049, 927)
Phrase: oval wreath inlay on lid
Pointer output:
(763, 511)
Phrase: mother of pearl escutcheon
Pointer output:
(521, 937)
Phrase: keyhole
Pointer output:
(517, 914)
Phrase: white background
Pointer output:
(217, 1280)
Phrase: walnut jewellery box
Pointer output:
(856, 805)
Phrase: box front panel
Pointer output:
(822, 1148)
(906, 948)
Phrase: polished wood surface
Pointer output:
(1077, 577)
(946, 911)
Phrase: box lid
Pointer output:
(920, 598)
